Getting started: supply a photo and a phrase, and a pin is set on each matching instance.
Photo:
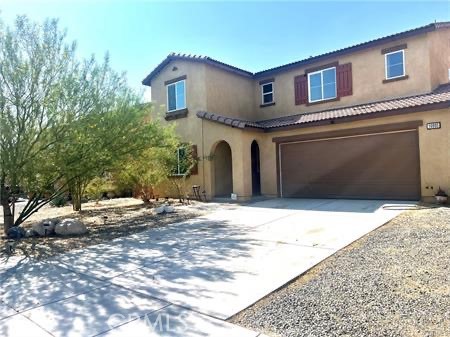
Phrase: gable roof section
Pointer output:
(194, 58)
(208, 60)
(438, 99)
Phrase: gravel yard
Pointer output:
(105, 220)
(393, 282)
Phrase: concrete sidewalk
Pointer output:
(184, 279)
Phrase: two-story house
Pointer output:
(367, 121)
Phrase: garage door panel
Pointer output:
(371, 166)
(371, 191)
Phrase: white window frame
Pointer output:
(178, 173)
(386, 64)
(167, 96)
(267, 93)
(321, 75)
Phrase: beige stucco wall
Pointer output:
(229, 94)
(434, 152)
(434, 149)
(210, 89)
(439, 48)
(189, 129)
(224, 93)
(368, 73)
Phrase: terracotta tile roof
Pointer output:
(412, 32)
(439, 98)
(194, 58)
(233, 122)
(208, 60)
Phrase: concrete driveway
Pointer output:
(185, 279)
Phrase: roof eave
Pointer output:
(365, 116)
(352, 49)
(205, 60)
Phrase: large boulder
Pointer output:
(45, 227)
(15, 233)
(70, 227)
(29, 233)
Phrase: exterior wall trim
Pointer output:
(182, 113)
(268, 80)
(387, 113)
(394, 79)
(322, 67)
(350, 132)
(174, 80)
(266, 105)
(394, 48)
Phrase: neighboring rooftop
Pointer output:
(437, 99)
(372, 43)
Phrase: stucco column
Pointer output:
(242, 178)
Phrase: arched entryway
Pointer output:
(223, 170)
(256, 169)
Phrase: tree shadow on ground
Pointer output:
(75, 287)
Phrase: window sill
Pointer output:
(182, 113)
(323, 101)
(267, 104)
(179, 176)
(405, 77)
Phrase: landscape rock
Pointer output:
(45, 227)
(15, 233)
(169, 209)
(70, 227)
(29, 233)
(160, 209)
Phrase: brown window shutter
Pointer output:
(344, 80)
(301, 89)
(194, 169)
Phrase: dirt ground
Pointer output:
(105, 220)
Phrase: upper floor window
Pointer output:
(322, 85)
(176, 96)
(267, 93)
(395, 64)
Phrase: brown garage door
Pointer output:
(376, 166)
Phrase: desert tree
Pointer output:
(149, 169)
(62, 120)
(35, 63)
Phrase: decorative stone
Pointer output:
(160, 209)
(169, 209)
(29, 233)
(70, 227)
(15, 233)
(45, 227)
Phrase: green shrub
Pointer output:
(59, 201)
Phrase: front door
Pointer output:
(256, 173)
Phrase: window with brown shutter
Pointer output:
(344, 80)
(194, 169)
(301, 89)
